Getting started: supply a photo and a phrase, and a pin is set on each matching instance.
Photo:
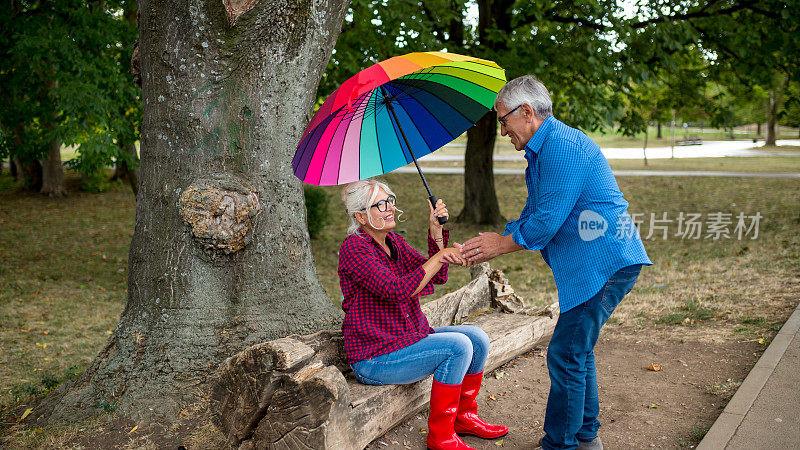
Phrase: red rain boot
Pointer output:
(467, 420)
(444, 406)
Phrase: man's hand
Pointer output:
(483, 247)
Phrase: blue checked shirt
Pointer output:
(575, 213)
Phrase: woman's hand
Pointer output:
(440, 211)
(452, 255)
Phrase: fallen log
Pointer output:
(298, 391)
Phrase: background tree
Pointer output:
(220, 257)
(66, 84)
(790, 115)
(756, 44)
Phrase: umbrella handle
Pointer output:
(433, 200)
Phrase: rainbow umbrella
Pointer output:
(369, 125)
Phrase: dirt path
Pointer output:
(639, 408)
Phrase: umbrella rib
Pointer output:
(411, 118)
(375, 119)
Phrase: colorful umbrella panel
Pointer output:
(436, 97)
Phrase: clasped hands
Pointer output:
(479, 249)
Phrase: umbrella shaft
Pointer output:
(405, 139)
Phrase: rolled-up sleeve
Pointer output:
(562, 176)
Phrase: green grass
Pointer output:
(63, 263)
(696, 434)
(691, 311)
(63, 278)
(760, 164)
(609, 138)
(727, 164)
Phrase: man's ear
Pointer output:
(527, 111)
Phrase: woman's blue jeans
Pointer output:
(573, 405)
(448, 354)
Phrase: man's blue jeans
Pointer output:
(573, 405)
(448, 354)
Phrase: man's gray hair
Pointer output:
(526, 89)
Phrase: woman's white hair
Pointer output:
(526, 89)
(359, 196)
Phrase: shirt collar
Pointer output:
(535, 143)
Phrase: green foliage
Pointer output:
(66, 78)
(594, 55)
(317, 209)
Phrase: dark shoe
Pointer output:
(467, 420)
(444, 406)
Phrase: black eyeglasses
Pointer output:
(502, 119)
(382, 205)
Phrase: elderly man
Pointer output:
(576, 216)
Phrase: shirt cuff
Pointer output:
(512, 228)
(433, 248)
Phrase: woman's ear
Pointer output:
(361, 218)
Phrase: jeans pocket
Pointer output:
(615, 290)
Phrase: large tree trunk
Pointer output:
(480, 199)
(52, 172)
(220, 257)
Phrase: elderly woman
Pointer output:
(387, 338)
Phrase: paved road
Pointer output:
(645, 173)
(763, 414)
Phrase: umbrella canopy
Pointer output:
(436, 96)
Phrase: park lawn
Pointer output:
(612, 139)
(750, 164)
(63, 266)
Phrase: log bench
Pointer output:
(298, 392)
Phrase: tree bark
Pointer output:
(53, 172)
(773, 103)
(480, 198)
(644, 149)
(480, 205)
(31, 173)
(658, 136)
(124, 171)
(220, 257)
